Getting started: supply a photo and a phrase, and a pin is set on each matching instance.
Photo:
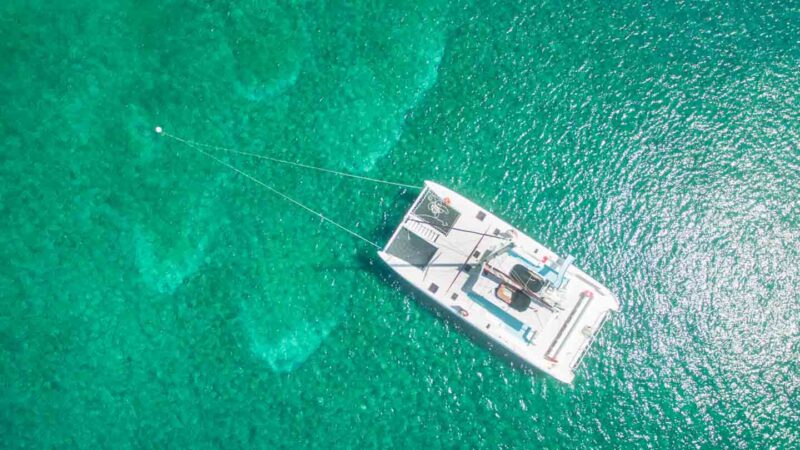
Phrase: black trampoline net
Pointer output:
(411, 248)
(436, 213)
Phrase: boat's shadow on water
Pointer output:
(376, 267)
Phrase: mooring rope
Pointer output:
(283, 161)
(194, 146)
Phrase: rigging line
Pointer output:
(459, 229)
(283, 161)
(281, 194)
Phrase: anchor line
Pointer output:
(290, 163)
(193, 146)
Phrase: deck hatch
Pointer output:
(529, 280)
(411, 248)
(437, 212)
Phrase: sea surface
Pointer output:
(152, 298)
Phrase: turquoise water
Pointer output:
(151, 298)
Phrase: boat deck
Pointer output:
(439, 247)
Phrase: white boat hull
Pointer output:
(440, 247)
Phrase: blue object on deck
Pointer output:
(563, 270)
(507, 318)
(528, 334)
(556, 277)
(523, 258)
(548, 274)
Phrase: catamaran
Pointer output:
(494, 278)
(486, 273)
